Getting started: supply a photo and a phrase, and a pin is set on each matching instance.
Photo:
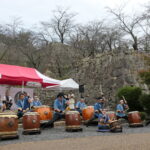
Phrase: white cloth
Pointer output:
(71, 103)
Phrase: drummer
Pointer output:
(36, 101)
(23, 105)
(103, 120)
(98, 106)
(59, 107)
(80, 105)
(121, 110)
(103, 117)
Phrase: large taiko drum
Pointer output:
(134, 119)
(31, 123)
(8, 125)
(88, 112)
(45, 113)
(112, 115)
(73, 120)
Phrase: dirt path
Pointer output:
(114, 142)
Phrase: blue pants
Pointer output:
(96, 115)
(20, 114)
(57, 116)
(79, 110)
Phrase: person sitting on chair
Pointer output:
(120, 109)
(80, 105)
(23, 105)
(36, 101)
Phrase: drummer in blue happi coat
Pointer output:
(103, 121)
(98, 106)
(36, 101)
(80, 105)
(60, 105)
(121, 110)
(23, 105)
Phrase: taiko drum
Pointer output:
(134, 117)
(88, 112)
(112, 115)
(45, 113)
(31, 121)
(73, 119)
(8, 124)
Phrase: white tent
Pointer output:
(67, 84)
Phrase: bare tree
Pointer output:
(61, 23)
(88, 38)
(127, 24)
(145, 26)
(14, 27)
(26, 44)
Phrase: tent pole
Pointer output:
(22, 86)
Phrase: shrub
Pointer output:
(132, 95)
(145, 101)
(143, 115)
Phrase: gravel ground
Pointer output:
(60, 133)
(134, 141)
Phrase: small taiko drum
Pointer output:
(134, 119)
(45, 113)
(88, 112)
(73, 121)
(115, 126)
(112, 115)
(8, 125)
(31, 123)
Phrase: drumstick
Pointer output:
(124, 100)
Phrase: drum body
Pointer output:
(31, 122)
(45, 113)
(115, 126)
(73, 120)
(112, 115)
(88, 112)
(134, 118)
(8, 125)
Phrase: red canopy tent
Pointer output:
(17, 75)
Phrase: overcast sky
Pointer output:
(34, 11)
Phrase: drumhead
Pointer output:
(8, 114)
(88, 107)
(30, 113)
(72, 112)
(133, 112)
(110, 112)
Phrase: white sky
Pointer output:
(34, 11)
